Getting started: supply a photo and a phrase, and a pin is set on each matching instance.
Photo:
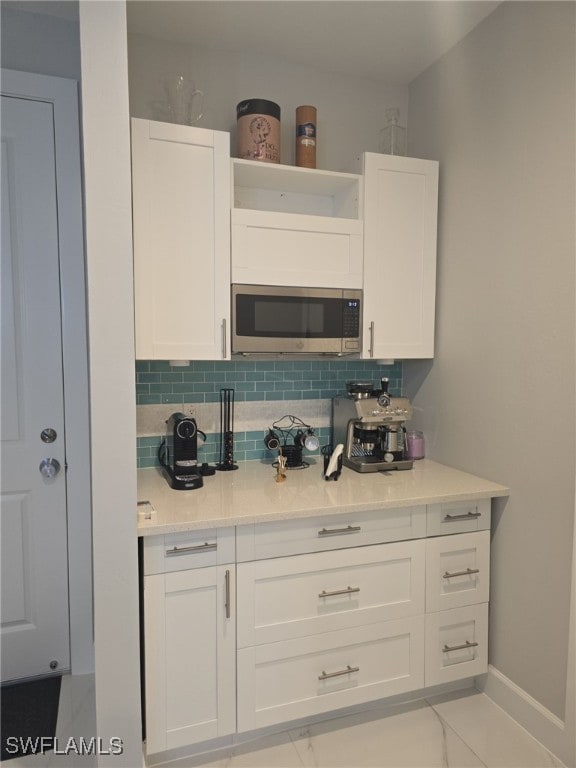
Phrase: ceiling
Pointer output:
(388, 40)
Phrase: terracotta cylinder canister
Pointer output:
(306, 137)
(258, 130)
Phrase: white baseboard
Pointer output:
(542, 724)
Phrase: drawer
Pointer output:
(190, 549)
(279, 682)
(456, 644)
(457, 570)
(457, 517)
(315, 534)
(303, 595)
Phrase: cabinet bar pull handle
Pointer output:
(339, 531)
(467, 644)
(347, 591)
(467, 572)
(224, 338)
(206, 547)
(371, 349)
(467, 516)
(227, 603)
(347, 671)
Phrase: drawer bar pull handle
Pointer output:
(467, 572)
(347, 671)
(347, 591)
(467, 516)
(467, 644)
(227, 602)
(339, 531)
(206, 547)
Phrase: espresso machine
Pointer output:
(370, 425)
(178, 453)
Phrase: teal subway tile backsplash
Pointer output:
(248, 446)
(200, 382)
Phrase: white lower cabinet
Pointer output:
(292, 619)
(327, 532)
(190, 656)
(456, 644)
(291, 597)
(457, 570)
(279, 682)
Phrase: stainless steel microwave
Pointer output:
(280, 320)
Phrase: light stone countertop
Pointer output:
(251, 494)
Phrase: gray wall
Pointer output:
(226, 78)
(498, 113)
(40, 42)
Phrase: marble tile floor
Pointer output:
(457, 730)
(76, 717)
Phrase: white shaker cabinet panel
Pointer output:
(290, 597)
(279, 682)
(338, 531)
(190, 647)
(181, 209)
(295, 249)
(400, 223)
(456, 644)
(457, 570)
(458, 517)
(189, 549)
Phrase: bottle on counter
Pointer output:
(306, 136)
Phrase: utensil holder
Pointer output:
(226, 462)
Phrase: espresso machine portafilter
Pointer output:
(370, 424)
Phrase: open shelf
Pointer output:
(288, 189)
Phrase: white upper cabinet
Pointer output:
(400, 219)
(296, 226)
(181, 208)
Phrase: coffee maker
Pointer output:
(178, 453)
(370, 424)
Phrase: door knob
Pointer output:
(49, 468)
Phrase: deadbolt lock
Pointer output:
(48, 435)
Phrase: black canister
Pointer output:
(258, 130)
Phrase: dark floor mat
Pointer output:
(29, 714)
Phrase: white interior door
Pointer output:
(34, 565)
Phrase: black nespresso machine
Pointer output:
(178, 453)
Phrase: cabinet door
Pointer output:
(190, 645)
(181, 210)
(315, 534)
(457, 570)
(270, 248)
(456, 644)
(278, 682)
(400, 203)
(303, 595)
(458, 517)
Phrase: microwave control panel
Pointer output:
(351, 316)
